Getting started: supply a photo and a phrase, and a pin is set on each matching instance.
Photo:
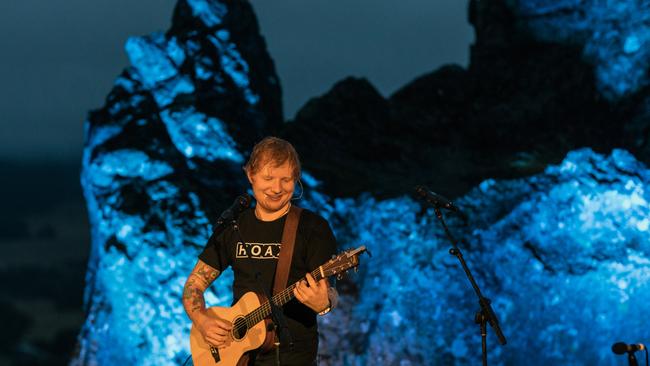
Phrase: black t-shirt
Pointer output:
(315, 245)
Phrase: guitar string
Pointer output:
(260, 313)
(256, 315)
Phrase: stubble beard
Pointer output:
(272, 206)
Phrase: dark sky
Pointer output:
(59, 58)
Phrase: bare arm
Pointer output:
(197, 282)
(214, 330)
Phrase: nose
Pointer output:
(277, 186)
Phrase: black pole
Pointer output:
(481, 319)
(487, 314)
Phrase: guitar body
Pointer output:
(204, 355)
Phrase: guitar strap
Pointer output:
(286, 250)
(282, 269)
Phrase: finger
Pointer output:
(306, 291)
(303, 284)
(323, 287)
(299, 295)
(217, 326)
(224, 324)
(302, 287)
(212, 341)
(219, 331)
(222, 339)
(310, 280)
(224, 345)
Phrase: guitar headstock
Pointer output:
(343, 262)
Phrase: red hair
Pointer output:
(276, 151)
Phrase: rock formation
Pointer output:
(541, 82)
(160, 158)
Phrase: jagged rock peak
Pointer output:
(160, 159)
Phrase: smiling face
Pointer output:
(273, 187)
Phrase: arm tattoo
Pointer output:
(193, 296)
(207, 273)
(196, 284)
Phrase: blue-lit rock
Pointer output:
(611, 37)
(614, 35)
(193, 134)
(160, 158)
(564, 256)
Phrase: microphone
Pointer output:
(620, 347)
(230, 214)
(438, 201)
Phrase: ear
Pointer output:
(249, 176)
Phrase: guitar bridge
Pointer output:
(215, 354)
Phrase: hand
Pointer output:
(215, 331)
(312, 293)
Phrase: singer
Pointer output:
(273, 171)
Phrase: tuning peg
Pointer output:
(339, 276)
(356, 269)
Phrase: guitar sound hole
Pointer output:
(239, 328)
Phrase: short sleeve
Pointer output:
(215, 254)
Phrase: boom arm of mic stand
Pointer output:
(486, 308)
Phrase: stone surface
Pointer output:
(564, 255)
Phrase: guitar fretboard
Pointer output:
(278, 299)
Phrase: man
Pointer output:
(272, 170)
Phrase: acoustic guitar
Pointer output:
(250, 317)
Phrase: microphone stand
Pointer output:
(486, 314)
(631, 359)
(222, 225)
(278, 321)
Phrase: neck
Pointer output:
(271, 216)
(281, 298)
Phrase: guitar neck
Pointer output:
(278, 299)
